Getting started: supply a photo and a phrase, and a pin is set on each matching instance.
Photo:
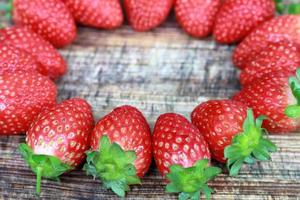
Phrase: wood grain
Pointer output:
(160, 71)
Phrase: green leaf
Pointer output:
(113, 166)
(44, 166)
(249, 146)
(294, 8)
(192, 181)
(293, 111)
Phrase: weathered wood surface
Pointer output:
(160, 71)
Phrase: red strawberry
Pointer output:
(237, 18)
(281, 56)
(57, 140)
(284, 27)
(197, 17)
(14, 59)
(53, 65)
(181, 154)
(271, 96)
(96, 13)
(144, 15)
(121, 144)
(49, 18)
(232, 134)
(23, 95)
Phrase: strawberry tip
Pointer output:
(191, 182)
(43, 165)
(249, 146)
(113, 166)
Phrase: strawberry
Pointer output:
(49, 18)
(57, 140)
(121, 149)
(53, 65)
(96, 13)
(23, 95)
(144, 15)
(14, 59)
(181, 154)
(273, 97)
(284, 27)
(197, 17)
(279, 56)
(232, 133)
(237, 18)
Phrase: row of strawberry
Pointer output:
(218, 134)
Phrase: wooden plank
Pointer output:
(160, 71)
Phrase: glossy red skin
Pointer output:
(63, 131)
(197, 17)
(281, 56)
(96, 13)
(49, 18)
(219, 121)
(176, 141)
(269, 97)
(284, 27)
(144, 15)
(237, 18)
(127, 127)
(23, 95)
(53, 65)
(14, 59)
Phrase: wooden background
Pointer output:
(160, 71)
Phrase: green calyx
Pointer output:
(249, 146)
(293, 111)
(43, 165)
(191, 182)
(292, 8)
(113, 166)
(7, 8)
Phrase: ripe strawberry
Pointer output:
(232, 133)
(197, 17)
(57, 140)
(284, 27)
(181, 154)
(49, 18)
(273, 97)
(237, 18)
(144, 15)
(281, 56)
(53, 65)
(14, 59)
(23, 95)
(96, 13)
(121, 144)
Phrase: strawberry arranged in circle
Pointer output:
(275, 98)
(53, 65)
(285, 27)
(121, 149)
(14, 59)
(49, 18)
(23, 95)
(96, 13)
(197, 17)
(58, 139)
(237, 18)
(144, 15)
(281, 56)
(233, 135)
(181, 154)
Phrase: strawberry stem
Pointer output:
(190, 182)
(43, 165)
(249, 146)
(113, 166)
(293, 111)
